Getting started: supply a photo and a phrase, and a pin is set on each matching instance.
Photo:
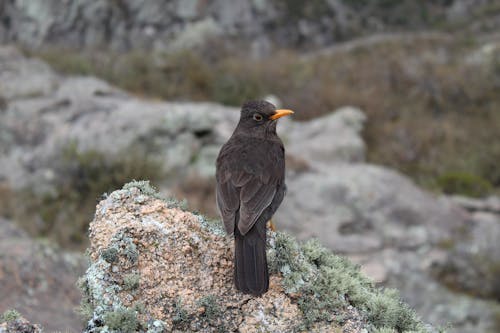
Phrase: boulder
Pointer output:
(329, 139)
(156, 267)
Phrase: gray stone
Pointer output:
(348, 201)
(473, 265)
(489, 204)
(167, 25)
(195, 34)
(328, 139)
(22, 77)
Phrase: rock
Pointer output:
(473, 265)
(87, 112)
(490, 204)
(356, 208)
(38, 280)
(22, 77)
(328, 139)
(195, 34)
(168, 25)
(182, 266)
(12, 322)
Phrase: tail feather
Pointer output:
(250, 263)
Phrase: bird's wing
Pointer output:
(247, 182)
(228, 202)
(255, 196)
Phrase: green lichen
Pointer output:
(144, 186)
(131, 281)
(110, 254)
(122, 320)
(212, 309)
(181, 317)
(213, 226)
(326, 283)
(156, 326)
(125, 246)
(385, 309)
(86, 309)
(384, 330)
(131, 253)
(9, 315)
(174, 203)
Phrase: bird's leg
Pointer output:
(271, 225)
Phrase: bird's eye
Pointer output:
(257, 117)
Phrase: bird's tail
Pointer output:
(250, 262)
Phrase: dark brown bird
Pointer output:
(250, 187)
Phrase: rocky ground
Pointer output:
(156, 267)
(440, 252)
(38, 280)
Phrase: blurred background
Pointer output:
(392, 154)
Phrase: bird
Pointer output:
(250, 186)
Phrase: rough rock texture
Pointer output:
(177, 24)
(38, 280)
(12, 322)
(178, 264)
(473, 265)
(159, 268)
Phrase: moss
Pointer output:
(9, 315)
(144, 186)
(125, 246)
(122, 320)
(181, 317)
(131, 253)
(326, 283)
(384, 330)
(212, 225)
(86, 308)
(464, 184)
(110, 254)
(386, 310)
(139, 307)
(212, 309)
(131, 281)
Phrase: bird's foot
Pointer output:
(271, 225)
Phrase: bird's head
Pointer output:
(260, 117)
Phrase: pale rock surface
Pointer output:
(179, 259)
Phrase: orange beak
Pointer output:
(280, 113)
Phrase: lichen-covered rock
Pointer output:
(155, 267)
(12, 322)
